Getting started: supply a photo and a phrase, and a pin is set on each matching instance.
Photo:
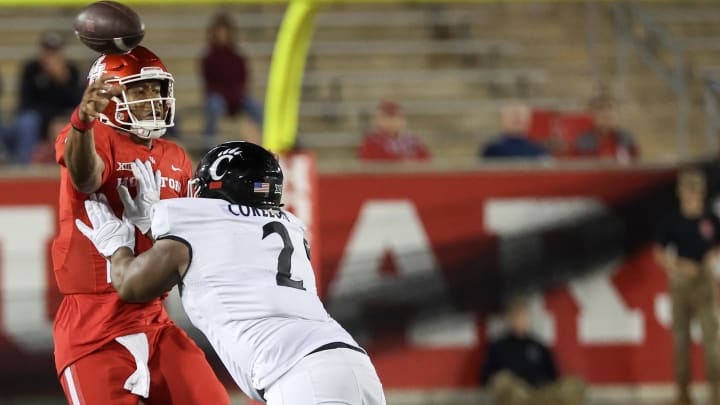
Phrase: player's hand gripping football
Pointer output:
(97, 96)
(139, 210)
(108, 233)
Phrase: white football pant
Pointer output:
(329, 377)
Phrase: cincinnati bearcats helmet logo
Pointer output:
(224, 156)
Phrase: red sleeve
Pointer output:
(242, 71)
(372, 149)
(205, 69)
(634, 151)
(422, 151)
(60, 145)
(187, 171)
(103, 147)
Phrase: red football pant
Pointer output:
(179, 374)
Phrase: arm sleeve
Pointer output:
(60, 145)
(75, 88)
(366, 150)
(422, 151)
(68, 92)
(243, 72)
(187, 173)
(160, 225)
(204, 70)
(103, 148)
(716, 225)
(662, 233)
(550, 366)
(585, 144)
(489, 365)
(26, 87)
(539, 149)
(212, 72)
(634, 151)
(372, 149)
(627, 141)
(168, 221)
(489, 151)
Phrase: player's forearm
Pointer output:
(141, 278)
(124, 274)
(119, 263)
(84, 164)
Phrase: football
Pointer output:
(109, 27)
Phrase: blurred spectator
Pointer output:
(606, 139)
(50, 87)
(520, 370)
(513, 142)
(226, 76)
(5, 134)
(389, 139)
(685, 240)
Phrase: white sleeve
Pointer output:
(295, 220)
(160, 220)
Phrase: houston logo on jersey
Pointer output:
(164, 182)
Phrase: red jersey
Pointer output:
(616, 144)
(91, 313)
(376, 146)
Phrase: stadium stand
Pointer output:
(450, 65)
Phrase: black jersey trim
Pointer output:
(190, 252)
(337, 345)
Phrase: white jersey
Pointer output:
(250, 287)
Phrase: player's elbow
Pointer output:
(134, 293)
(85, 183)
(85, 174)
(85, 187)
(134, 297)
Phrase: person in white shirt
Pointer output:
(242, 266)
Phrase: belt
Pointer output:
(329, 346)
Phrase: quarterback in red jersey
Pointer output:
(108, 351)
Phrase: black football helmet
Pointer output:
(241, 173)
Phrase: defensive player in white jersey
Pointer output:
(243, 269)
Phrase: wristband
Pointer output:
(80, 125)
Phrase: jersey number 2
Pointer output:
(283, 275)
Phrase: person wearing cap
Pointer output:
(519, 369)
(50, 88)
(389, 139)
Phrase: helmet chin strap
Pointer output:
(145, 133)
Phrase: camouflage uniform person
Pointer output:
(685, 240)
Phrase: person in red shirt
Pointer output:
(388, 140)
(606, 139)
(108, 351)
(226, 76)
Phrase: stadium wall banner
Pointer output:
(610, 325)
